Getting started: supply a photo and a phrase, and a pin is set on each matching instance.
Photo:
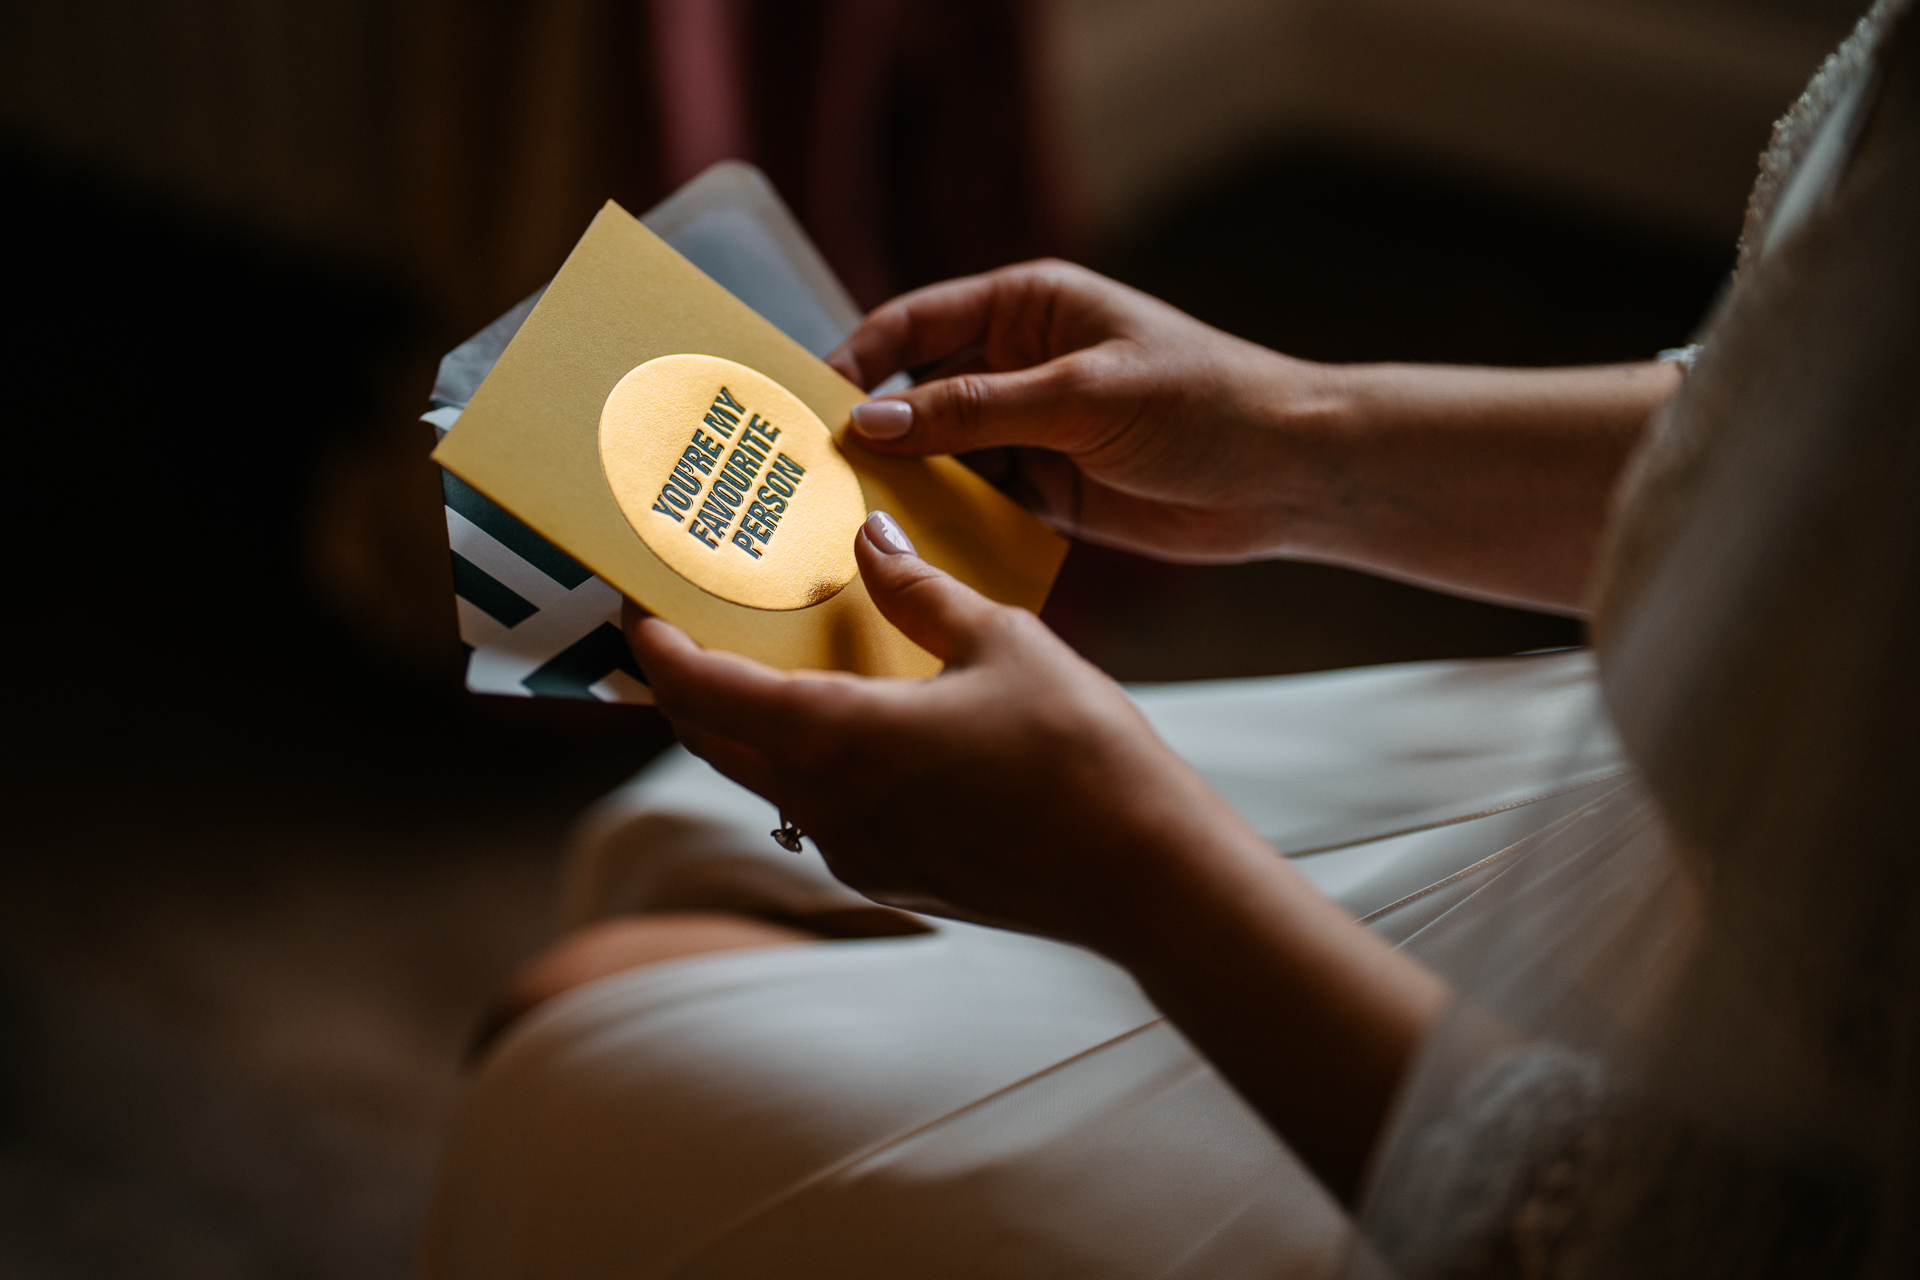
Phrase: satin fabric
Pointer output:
(972, 1101)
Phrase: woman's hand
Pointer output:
(1021, 787)
(1120, 420)
(1109, 413)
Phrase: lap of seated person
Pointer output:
(1174, 1054)
(1412, 773)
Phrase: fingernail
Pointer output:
(888, 535)
(883, 419)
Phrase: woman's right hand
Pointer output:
(1121, 420)
(1110, 414)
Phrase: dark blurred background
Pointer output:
(265, 858)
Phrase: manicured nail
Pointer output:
(888, 535)
(883, 419)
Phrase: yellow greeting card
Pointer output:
(696, 459)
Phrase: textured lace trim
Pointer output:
(1794, 132)
(1507, 1169)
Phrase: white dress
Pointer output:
(978, 1103)
(974, 1102)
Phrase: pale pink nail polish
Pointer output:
(883, 419)
(888, 535)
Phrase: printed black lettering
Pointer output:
(729, 483)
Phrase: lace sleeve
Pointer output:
(1504, 1169)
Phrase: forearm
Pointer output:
(1488, 482)
(1313, 1019)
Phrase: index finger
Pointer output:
(915, 329)
(728, 694)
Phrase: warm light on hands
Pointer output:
(1123, 421)
(1019, 787)
(1114, 416)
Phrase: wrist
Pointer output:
(1190, 866)
(1312, 1018)
(1489, 482)
(1310, 424)
(1202, 893)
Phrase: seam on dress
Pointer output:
(1435, 825)
(1485, 862)
(693, 1252)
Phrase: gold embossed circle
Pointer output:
(731, 480)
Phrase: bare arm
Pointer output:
(1486, 482)
(1312, 1018)
(1126, 422)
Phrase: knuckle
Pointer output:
(1062, 276)
(1020, 271)
(918, 575)
(1078, 375)
(885, 328)
(888, 319)
(834, 730)
(968, 402)
(1004, 626)
(915, 584)
(921, 585)
(1046, 267)
(1060, 271)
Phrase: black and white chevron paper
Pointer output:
(534, 621)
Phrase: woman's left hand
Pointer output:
(1020, 787)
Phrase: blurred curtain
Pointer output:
(905, 133)
(466, 144)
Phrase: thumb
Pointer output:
(935, 610)
(970, 411)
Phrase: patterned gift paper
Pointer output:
(534, 622)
